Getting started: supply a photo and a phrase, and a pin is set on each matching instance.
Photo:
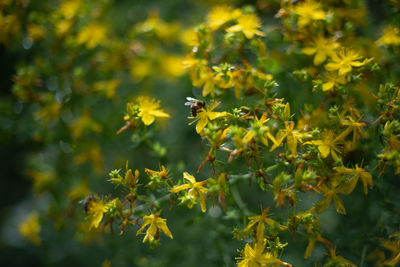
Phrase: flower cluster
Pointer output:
(299, 117)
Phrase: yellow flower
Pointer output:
(204, 116)
(50, 111)
(391, 36)
(258, 130)
(358, 173)
(260, 221)
(149, 110)
(163, 173)
(36, 32)
(352, 126)
(162, 29)
(220, 15)
(84, 124)
(196, 67)
(92, 155)
(189, 37)
(79, 191)
(322, 48)
(394, 247)
(41, 180)
(344, 60)
(63, 26)
(196, 189)
(156, 224)
(248, 24)
(332, 80)
(96, 210)
(223, 77)
(292, 138)
(207, 77)
(171, 66)
(30, 228)
(69, 8)
(108, 88)
(92, 35)
(255, 256)
(327, 145)
(307, 12)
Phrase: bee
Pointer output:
(195, 105)
(86, 202)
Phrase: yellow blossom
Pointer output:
(307, 12)
(292, 138)
(69, 8)
(352, 126)
(96, 210)
(162, 29)
(204, 116)
(79, 191)
(248, 24)
(63, 26)
(156, 224)
(92, 35)
(84, 124)
(332, 80)
(108, 88)
(36, 32)
(207, 77)
(149, 110)
(50, 111)
(260, 221)
(163, 173)
(196, 67)
(141, 68)
(9, 25)
(260, 131)
(171, 66)
(327, 145)
(255, 256)
(41, 180)
(189, 37)
(322, 48)
(30, 228)
(344, 60)
(394, 247)
(220, 15)
(357, 173)
(93, 155)
(391, 36)
(332, 193)
(196, 189)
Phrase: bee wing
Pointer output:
(190, 100)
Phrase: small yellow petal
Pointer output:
(148, 119)
(309, 50)
(324, 149)
(201, 124)
(319, 58)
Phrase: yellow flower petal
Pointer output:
(327, 86)
(319, 58)
(324, 149)
(148, 119)
(201, 124)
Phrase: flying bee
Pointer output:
(86, 202)
(195, 105)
